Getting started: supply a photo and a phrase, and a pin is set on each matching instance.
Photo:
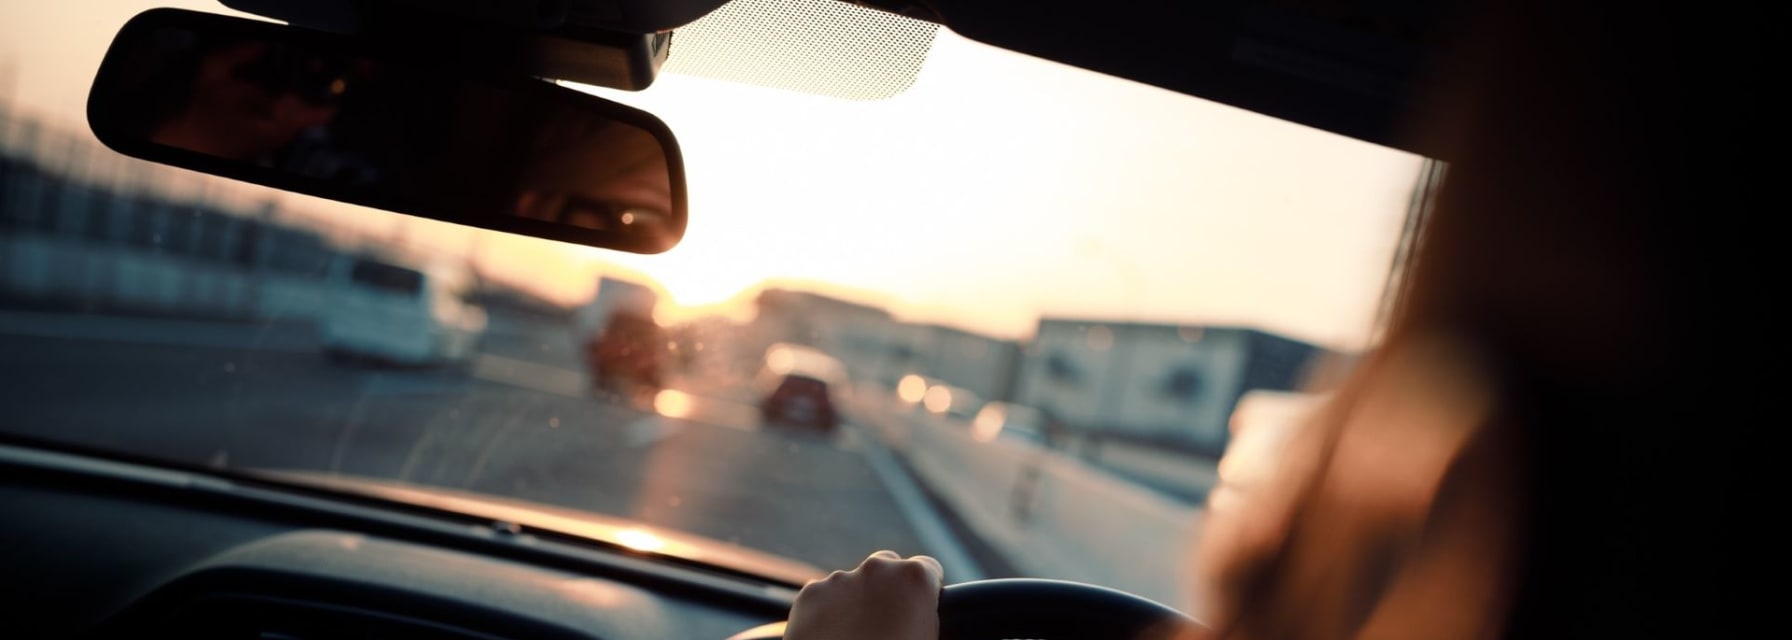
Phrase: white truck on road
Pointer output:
(391, 309)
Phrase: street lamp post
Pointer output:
(1107, 401)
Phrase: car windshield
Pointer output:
(1125, 260)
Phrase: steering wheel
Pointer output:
(1056, 609)
(1034, 608)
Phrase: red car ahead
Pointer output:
(799, 384)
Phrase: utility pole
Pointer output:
(1418, 210)
(1107, 401)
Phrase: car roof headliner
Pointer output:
(1359, 68)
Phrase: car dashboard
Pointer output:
(100, 548)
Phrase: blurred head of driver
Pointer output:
(229, 114)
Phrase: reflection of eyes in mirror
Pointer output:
(586, 213)
(595, 173)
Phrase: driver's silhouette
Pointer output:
(1514, 458)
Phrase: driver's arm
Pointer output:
(885, 598)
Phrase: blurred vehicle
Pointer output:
(629, 352)
(952, 402)
(1262, 424)
(912, 389)
(388, 309)
(937, 397)
(1004, 420)
(799, 387)
(624, 347)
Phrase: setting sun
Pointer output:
(692, 283)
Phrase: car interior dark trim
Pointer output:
(246, 496)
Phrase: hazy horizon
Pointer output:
(997, 190)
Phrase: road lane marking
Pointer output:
(409, 383)
(529, 375)
(415, 454)
(350, 424)
(499, 438)
(929, 525)
(685, 406)
(649, 430)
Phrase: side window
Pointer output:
(214, 236)
(147, 224)
(99, 218)
(1063, 369)
(177, 230)
(246, 249)
(1182, 384)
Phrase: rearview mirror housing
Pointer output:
(349, 120)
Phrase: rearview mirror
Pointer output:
(345, 119)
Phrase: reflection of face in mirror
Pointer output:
(595, 173)
(395, 133)
(250, 100)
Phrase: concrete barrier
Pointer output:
(1186, 476)
(1112, 532)
(27, 266)
(1050, 514)
(145, 282)
(105, 276)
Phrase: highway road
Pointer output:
(517, 423)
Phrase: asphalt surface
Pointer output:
(517, 423)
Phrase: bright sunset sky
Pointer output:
(998, 189)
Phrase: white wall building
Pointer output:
(975, 362)
(877, 348)
(1172, 382)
